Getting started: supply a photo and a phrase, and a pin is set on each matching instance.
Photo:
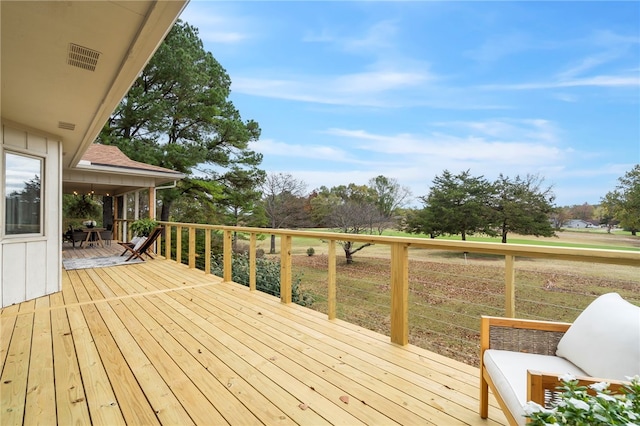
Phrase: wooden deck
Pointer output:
(158, 343)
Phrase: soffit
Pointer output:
(39, 88)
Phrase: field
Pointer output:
(449, 291)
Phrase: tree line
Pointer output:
(178, 115)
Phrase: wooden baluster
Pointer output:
(252, 262)
(331, 278)
(227, 248)
(207, 251)
(167, 242)
(192, 247)
(285, 268)
(509, 286)
(179, 244)
(399, 293)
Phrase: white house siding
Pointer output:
(30, 267)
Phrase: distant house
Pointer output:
(578, 223)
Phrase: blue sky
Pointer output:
(346, 91)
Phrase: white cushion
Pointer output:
(508, 370)
(139, 243)
(604, 340)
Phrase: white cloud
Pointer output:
(274, 148)
(486, 143)
(597, 81)
(357, 89)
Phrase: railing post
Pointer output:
(252, 262)
(285, 268)
(227, 259)
(167, 242)
(509, 286)
(192, 247)
(179, 244)
(207, 251)
(399, 294)
(331, 278)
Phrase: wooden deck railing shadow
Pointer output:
(399, 262)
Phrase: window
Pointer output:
(23, 194)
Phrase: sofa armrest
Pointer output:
(518, 335)
(542, 388)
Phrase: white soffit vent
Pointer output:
(82, 57)
(66, 126)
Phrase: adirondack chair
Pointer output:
(142, 246)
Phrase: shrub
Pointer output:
(310, 251)
(142, 227)
(578, 407)
(267, 276)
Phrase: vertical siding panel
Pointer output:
(15, 138)
(13, 273)
(53, 217)
(36, 269)
(36, 144)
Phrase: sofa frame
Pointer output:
(530, 336)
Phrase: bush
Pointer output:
(311, 251)
(267, 276)
(578, 407)
(142, 227)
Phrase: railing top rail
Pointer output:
(617, 257)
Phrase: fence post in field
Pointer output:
(399, 293)
(285, 268)
(167, 242)
(179, 244)
(227, 256)
(252, 262)
(331, 278)
(509, 286)
(207, 251)
(192, 247)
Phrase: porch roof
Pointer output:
(106, 170)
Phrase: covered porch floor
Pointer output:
(159, 343)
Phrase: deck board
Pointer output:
(159, 343)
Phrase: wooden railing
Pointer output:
(399, 260)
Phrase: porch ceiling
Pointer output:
(40, 86)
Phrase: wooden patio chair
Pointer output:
(143, 246)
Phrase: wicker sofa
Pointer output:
(521, 360)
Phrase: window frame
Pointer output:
(41, 225)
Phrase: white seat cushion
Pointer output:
(508, 370)
(604, 340)
(139, 243)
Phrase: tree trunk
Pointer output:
(166, 207)
(348, 254)
(272, 249)
(349, 257)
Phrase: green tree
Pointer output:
(422, 221)
(390, 195)
(523, 206)
(623, 203)
(458, 204)
(177, 115)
